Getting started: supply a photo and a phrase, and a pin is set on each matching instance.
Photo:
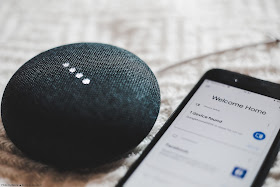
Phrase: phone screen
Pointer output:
(220, 138)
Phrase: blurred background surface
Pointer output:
(161, 33)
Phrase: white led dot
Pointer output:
(86, 81)
(65, 64)
(72, 70)
(79, 75)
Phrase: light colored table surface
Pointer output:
(159, 32)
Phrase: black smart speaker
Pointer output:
(80, 105)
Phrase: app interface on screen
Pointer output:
(220, 138)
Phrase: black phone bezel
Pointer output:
(232, 79)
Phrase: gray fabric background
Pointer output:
(161, 33)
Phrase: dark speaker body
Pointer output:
(80, 105)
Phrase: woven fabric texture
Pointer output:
(161, 33)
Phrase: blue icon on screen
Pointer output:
(239, 172)
(259, 135)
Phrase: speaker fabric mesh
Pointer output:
(80, 105)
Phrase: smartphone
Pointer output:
(224, 133)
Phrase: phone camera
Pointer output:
(235, 80)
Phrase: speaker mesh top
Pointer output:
(84, 101)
